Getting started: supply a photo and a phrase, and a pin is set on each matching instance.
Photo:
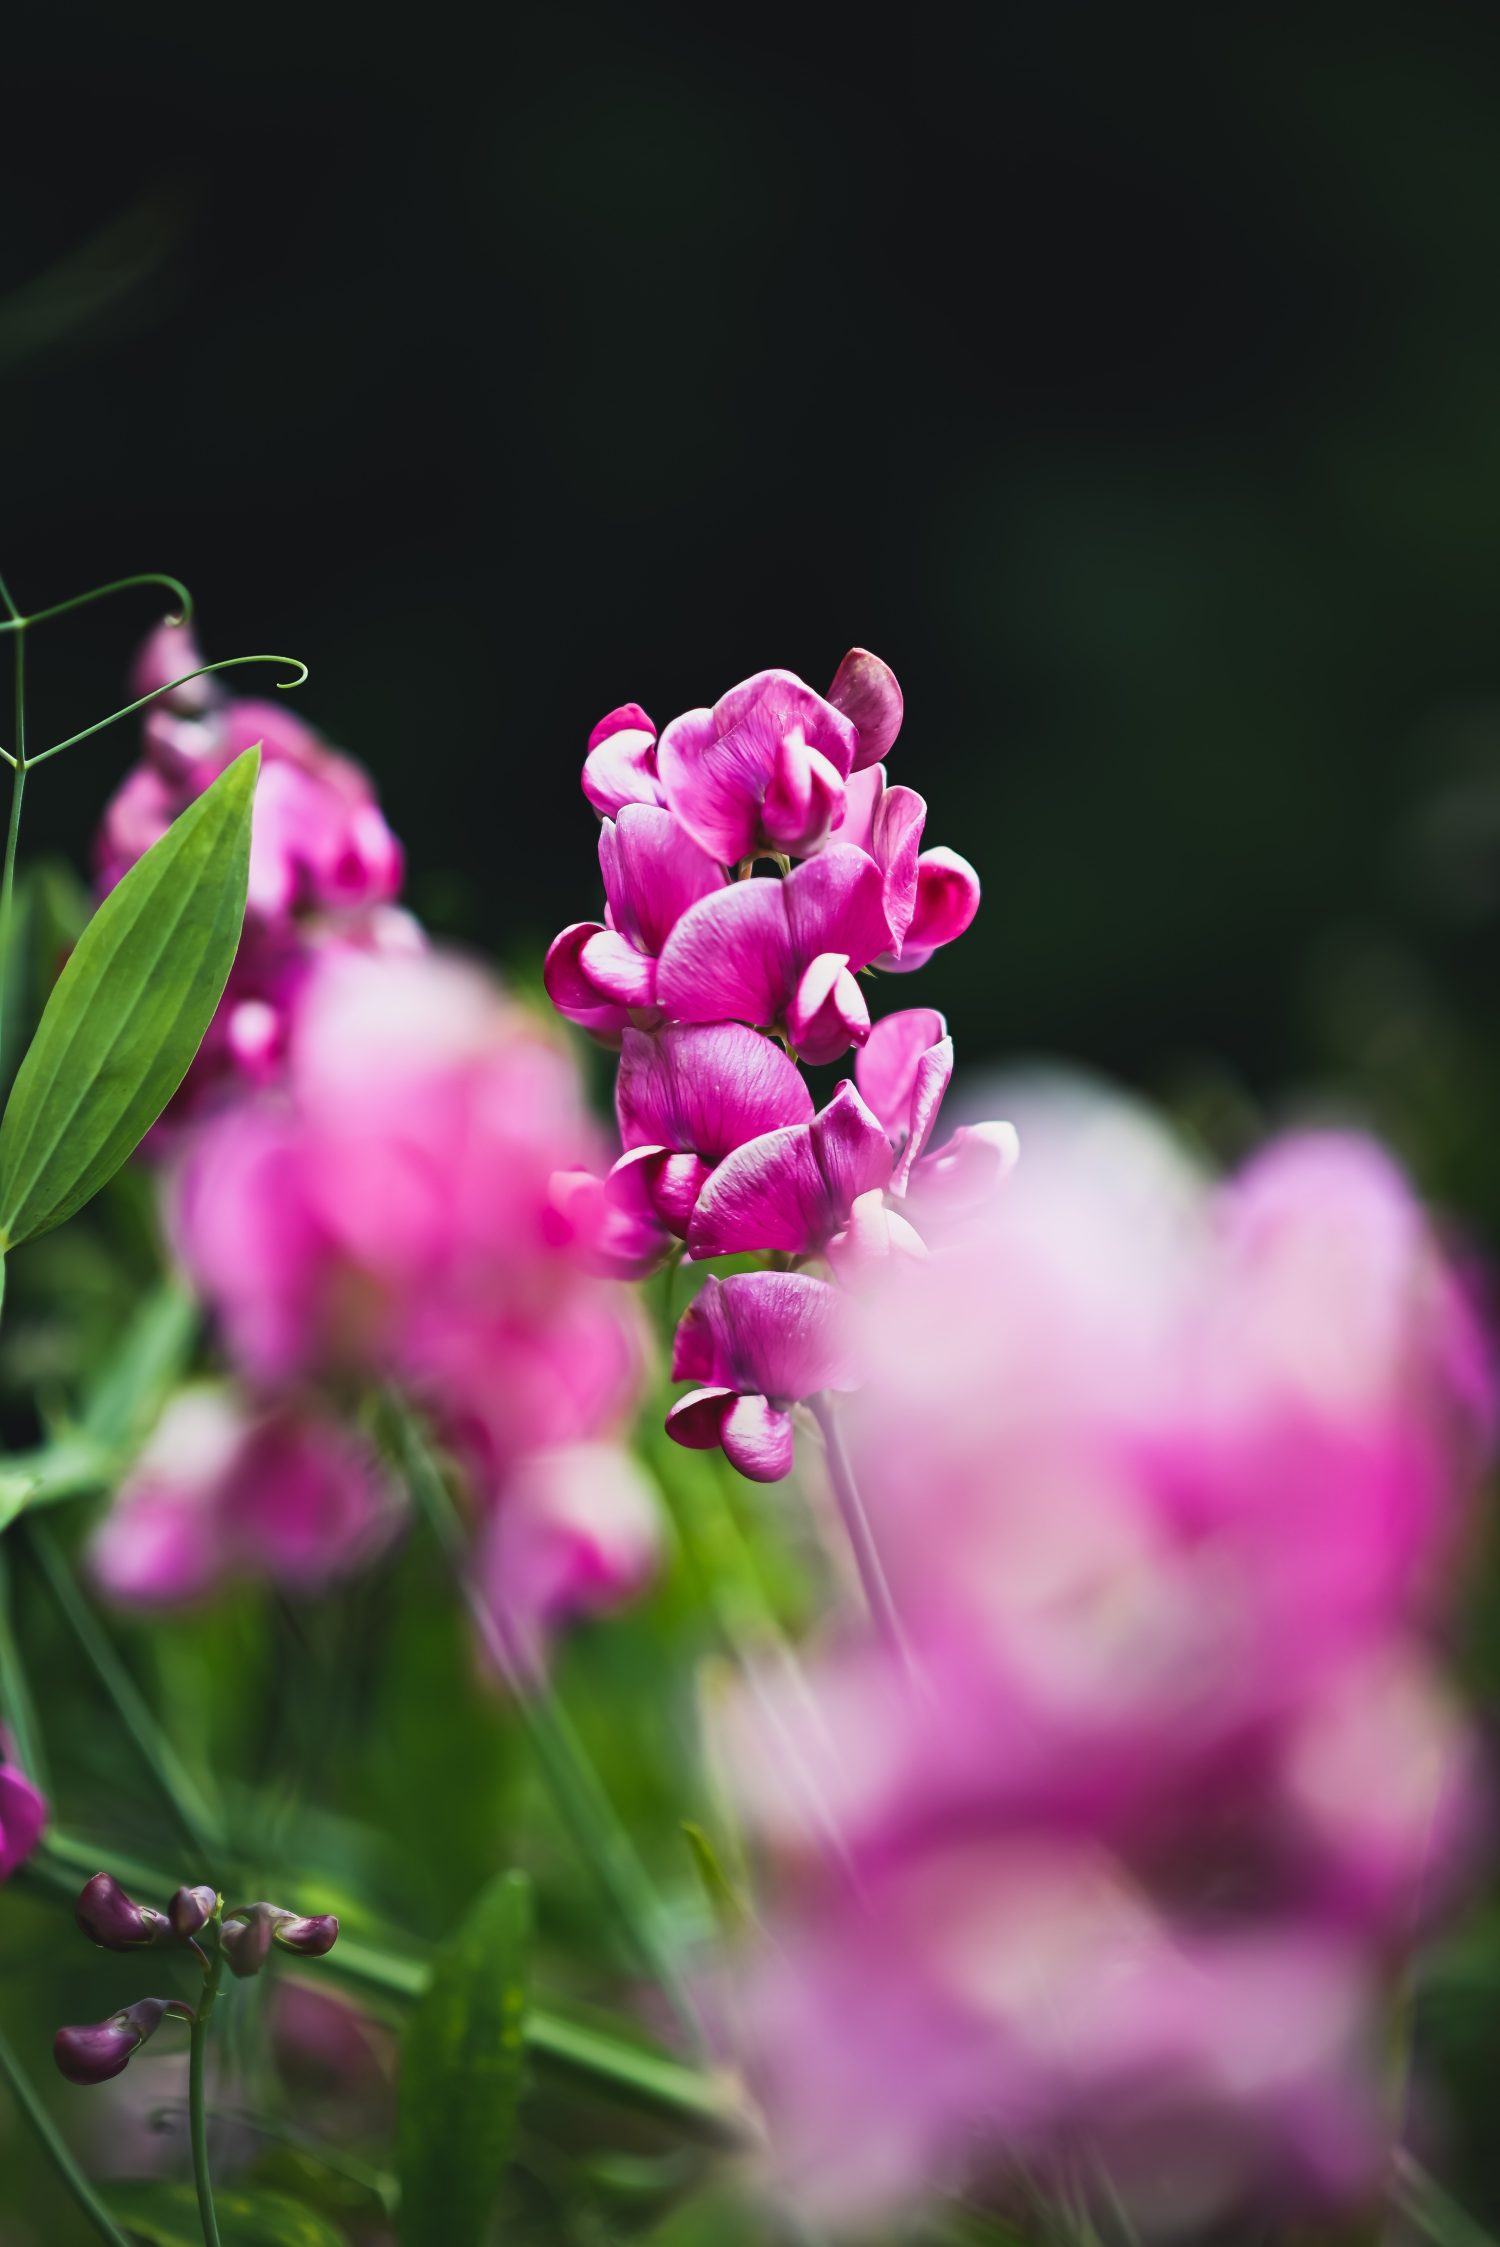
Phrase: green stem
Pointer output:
(19, 623)
(197, 2106)
(574, 1784)
(16, 1704)
(197, 1820)
(50, 2139)
(12, 833)
(229, 663)
(861, 1536)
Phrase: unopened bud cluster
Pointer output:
(195, 1918)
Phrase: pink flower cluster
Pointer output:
(714, 983)
(325, 869)
(1169, 1482)
(371, 1200)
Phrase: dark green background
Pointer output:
(1130, 378)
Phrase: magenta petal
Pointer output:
(23, 1816)
(717, 765)
(696, 1420)
(758, 1439)
(895, 840)
(570, 989)
(827, 1013)
(769, 1194)
(775, 1334)
(616, 970)
(865, 690)
(653, 872)
(620, 767)
(628, 718)
(792, 1190)
(886, 1071)
(705, 1088)
(968, 1167)
(947, 899)
(730, 959)
(670, 1183)
(804, 797)
(835, 903)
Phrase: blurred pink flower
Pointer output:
(1169, 1484)
(324, 865)
(226, 1489)
(23, 1812)
(579, 1533)
(391, 1211)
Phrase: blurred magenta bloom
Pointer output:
(1170, 1483)
(579, 1533)
(325, 868)
(758, 1343)
(417, 1202)
(603, 976)
(228, 1489)
(23, 1812)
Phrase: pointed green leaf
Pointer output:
(462, 2065)
(166, 2215)
(128, 1011)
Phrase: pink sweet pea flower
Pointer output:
(792, 1190)
(781, 953)
(763, 770)
(604, 977)
(687, 1097)
(577, 1531)
(760, 1342)
(23, 1812)
(225, 1491)
(931, 896)
(620, 767)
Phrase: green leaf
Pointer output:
(128, 1011)
(167, 2216)
(729, 1907)
(462, 2064)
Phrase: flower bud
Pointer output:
(109, 1918)
(190, 1910)
(246, 1939)
(249, 1932)
(93, 2055)
(309, 1938)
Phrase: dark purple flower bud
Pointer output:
(309, 1938)
(246, 1937)
(109, 1918)
(190, 1910)
(93, 2055)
